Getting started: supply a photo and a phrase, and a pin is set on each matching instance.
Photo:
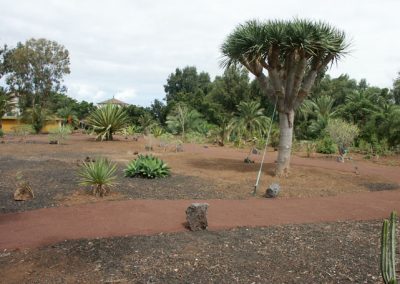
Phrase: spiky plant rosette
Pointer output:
(100, 175)
(107, 120)
(147, 166)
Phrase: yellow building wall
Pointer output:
(10, 124)
(51, 125)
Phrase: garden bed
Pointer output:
(199, 172)
(346, 252)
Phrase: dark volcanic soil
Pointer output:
(346, 252)
(55, 182)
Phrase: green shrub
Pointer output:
(147, 166)
(22, 131)
(326, 146)
(195, 137)
(342, 132)
(374, 147)
(1, 133)
(100, 175)
(157, 131)
(60, 134)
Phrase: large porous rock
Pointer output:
(273, 190)
(23, 192)
(196, 216)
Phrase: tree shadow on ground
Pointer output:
(220, 164)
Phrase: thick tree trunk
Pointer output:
(286, 120)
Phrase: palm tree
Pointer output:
(107, 120)
(319, 110)
(358, 107)
(386, 123)
(68, 115)
(249, 121)
(293, 53)
(146, 122)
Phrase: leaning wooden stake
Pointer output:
(388, 249)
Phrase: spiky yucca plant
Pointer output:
(147, 166)
(107, 120)
(100, 175)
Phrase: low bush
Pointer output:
(374, 147)
(100, 175)
(195, 137)
(325, 146)
(147, 166)
(60, 134)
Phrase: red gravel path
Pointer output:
(140, 217)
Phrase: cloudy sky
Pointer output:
(128, 48)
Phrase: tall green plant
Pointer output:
(107, 120)
(388, 249)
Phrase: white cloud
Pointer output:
(127, 95)
(130, 47)
(87, 92)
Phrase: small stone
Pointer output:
(23, 192)
(273, 190)
(135, 153)
(248, 161)
(53, 142)
(196, 216)
(255, 151)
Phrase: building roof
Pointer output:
(113, 101)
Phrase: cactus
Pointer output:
(388, 250)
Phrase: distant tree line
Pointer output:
(226, 107)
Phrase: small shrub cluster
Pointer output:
(147, 166)
(326, 146)
(196, 137)
(374, 147)
(60, 134)
(100, 174)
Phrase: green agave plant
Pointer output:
(147, 166)
(100, 175)
(108, 120)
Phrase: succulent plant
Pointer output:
(147, 166)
